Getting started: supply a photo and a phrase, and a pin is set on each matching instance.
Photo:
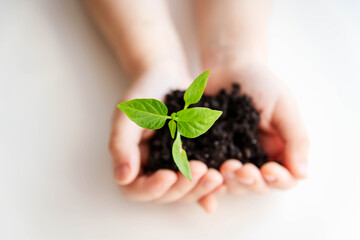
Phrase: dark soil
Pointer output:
(233, 136)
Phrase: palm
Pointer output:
(129, 148)
(280, 124)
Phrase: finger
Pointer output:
(209, 182)
(277, 176)
(208, 203)
(144, 153)
(228, 169)
(273, 145)
(288, 122)
(221, 190)
(184, 185)
(249, 177)
(123, 146)
(148, 188)
(147, 134)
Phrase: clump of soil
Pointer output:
(233, 136)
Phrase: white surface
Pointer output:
(58, 85)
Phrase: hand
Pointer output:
(129, 148)
(282, 134)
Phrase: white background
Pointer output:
(59, 82)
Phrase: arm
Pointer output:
(141, 34)
(145, 41)
(232, 35)
(143, 38)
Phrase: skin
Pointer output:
(232, 36)
(232, 40)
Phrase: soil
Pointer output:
(233, 136)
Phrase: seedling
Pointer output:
(190, 122)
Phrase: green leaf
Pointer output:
(196, 89)
(147, 113)
(180, 157)
(172, 127)
(194, 122)
(173, 116)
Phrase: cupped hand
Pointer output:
(129, 149)
(282, 132)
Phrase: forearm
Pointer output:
(141, 34)
(232, 32)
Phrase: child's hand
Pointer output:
(282, 135)
(129, 148)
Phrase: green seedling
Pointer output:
(189, 122)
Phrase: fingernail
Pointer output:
(209, 184)
(122, 171)
(246, 181)
(196, 177)
(230, 175)
(303, 168)
(270, 178)
(167, 185)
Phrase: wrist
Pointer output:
(169, 65)
(168, 75)
(233, 68)
(234, 58)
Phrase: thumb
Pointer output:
(208, 203)
(124, 148)
(287, 120)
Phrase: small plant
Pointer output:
(189, 122)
